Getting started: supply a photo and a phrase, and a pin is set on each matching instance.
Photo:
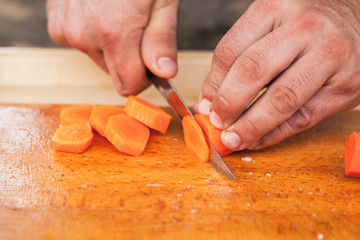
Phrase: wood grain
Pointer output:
(294, 190)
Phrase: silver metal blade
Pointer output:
(177, 104)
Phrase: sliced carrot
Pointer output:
(147, 113)
(175, 100)
(75, 114)
(352, 156)
(194, 138)
(127, 134)
(100, 116)
(73, 138)
(213, 133)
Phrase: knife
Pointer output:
(177, 104)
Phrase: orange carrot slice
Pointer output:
(127, 134)
(194, 138)
(176, 101)
(73, 138)
(147, 113)
(100, 116)
(352, 156)
(75, 114)
(213, 133)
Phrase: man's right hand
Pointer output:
(122, 36)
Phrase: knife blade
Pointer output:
(179, 107)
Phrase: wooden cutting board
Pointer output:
(295, 190)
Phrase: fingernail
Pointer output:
(231, 140)
(204, 106)
(166, 63)
(216, 120)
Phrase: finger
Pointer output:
(124, 62)
(322, 105)
(97, 56)
(159, 39)
(340, 93)
(256, 22)
(284, 97)
(256, 67)
(55, 12)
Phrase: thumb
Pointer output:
(159, 50)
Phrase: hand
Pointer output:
(121, 36)
(308, 50)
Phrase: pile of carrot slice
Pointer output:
(128, 128)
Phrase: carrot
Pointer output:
(176, 101)
(147, 113)
(75, 114)
(73, 138)
(100, 116)
(352, 156)
(127, 134)
(213, 133)
(194, 138)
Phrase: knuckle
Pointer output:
(108, 35)
(224, 54)
(166, 36)
(235, 36)
(252, 65)
(222, 103)
(214, 81)
(346, 87)
(311, 19)
(315, 14)
(107, 29)
(336, 46)
(254, 126)
(284, 100)
(75, 38)
(304, 117)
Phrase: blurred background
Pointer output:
(201, 23)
